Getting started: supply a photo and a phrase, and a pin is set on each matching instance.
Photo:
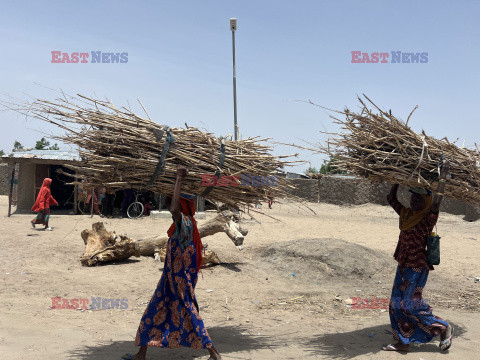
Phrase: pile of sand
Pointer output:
(335, 258)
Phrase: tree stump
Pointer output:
(102, 246)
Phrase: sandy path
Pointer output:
(248, 313)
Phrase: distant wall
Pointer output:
(5, 175)
(307, 189)
(26, 187)
(348, 191)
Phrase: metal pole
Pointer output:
(91, 206)
(235, 125)
(75, 196)
(10, 193)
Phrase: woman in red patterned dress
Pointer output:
(411, 318)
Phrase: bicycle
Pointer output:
(135, 209)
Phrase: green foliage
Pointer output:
(43, 144)
(328, 167)
(17, 146)
(2, 153)
(311, 170)
(325, 168)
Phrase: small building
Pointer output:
(27, 169)
(291, 175)
(31, 167)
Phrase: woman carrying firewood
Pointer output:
(172, 319)
(411, 318)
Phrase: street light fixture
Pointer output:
(233, 27)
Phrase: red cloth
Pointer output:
(44, 198)
(411, 250)
(88, 200)
(188, 209)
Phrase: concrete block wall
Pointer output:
(348, 191)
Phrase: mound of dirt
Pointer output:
(333, 258)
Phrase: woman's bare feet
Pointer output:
(214, 355)
(142, 353)
(397, 347)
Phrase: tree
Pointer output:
(328, 167)
(2, 153)
(17, 146)
(311, 170)
(43, 144)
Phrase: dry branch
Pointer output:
(120, 149)
(376, 145)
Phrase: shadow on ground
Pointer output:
(366, 341)
(232, 266)
(121, 262)
(227, 339)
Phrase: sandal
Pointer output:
(447, 342)
(391, 347)
(127, 357)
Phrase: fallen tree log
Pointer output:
(102, 246)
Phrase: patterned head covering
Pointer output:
(408, 217)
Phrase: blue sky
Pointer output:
(180, 62)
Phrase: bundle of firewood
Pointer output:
(120, 149)
(376, 145)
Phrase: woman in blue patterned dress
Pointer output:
(411, 317)
(172, 319)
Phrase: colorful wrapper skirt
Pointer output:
(410, 316)
(42, 217)
(171, 319)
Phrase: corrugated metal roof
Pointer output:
(291, 175)
(45, 155)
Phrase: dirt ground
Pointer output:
(282, 297)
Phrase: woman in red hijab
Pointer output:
(172, 317)
(42, 205)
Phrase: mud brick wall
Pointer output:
(350, 191)
(5, 175)
(307, 189)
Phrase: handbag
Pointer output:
(433, 249)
